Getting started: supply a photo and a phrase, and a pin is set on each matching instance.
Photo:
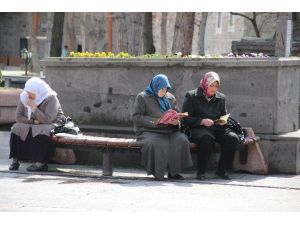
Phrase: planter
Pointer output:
(261, 93)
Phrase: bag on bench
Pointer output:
(236, 127)
(68, 127)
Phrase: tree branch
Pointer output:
(242, 15)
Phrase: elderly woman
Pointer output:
(205, 105)
(38, 112)
(164, 147)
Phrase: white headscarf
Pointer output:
(41, 90)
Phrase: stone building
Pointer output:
(14, 36)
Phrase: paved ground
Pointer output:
(70, 188)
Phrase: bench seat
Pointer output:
(108, 145)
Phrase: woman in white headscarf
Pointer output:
(38, 112)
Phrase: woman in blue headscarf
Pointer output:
(164, 147)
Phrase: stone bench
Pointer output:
(249, 157)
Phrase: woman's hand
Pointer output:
(31, 104)
(174, 122)
(207, 122)
(36, 122)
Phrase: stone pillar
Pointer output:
(284, 31)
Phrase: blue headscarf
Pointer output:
(158, 82)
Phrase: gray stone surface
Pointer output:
(75, 188)
(282, 152)
(9, 98)
(262, 93)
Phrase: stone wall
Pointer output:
(12, 28)
(261, 93)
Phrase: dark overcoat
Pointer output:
(164, 147)
(199, 107)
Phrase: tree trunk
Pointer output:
(57, 34)
(163, 33)
(296, 26)
(128, 31)
(119, 38)
(201, 34)
(49, 33)
(254, 23)
(71, 35)
(83, 31)
(33, 44)
(148, 34)
(183, 33)
(135, 22)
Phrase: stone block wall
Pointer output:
(261, 93)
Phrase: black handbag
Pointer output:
(67, 126)
(236, 127)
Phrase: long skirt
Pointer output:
(165, 153)
(37, 149)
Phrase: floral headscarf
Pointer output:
(207, 80)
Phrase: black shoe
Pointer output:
(223, 175)
(35, 168)
(175, 177)
(14, 166)
(201, 176)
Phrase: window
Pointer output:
(231, 23)
(219, 23)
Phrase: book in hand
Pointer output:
(222, 119)
(170, 115)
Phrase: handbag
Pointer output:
(67, 126)
(236, 127)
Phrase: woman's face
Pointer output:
(213, 88)
(162, 92)
(31, 95)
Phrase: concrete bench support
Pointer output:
(107, 163)
(255, 162)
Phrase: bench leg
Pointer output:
(107, 162)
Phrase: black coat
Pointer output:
(198, 107)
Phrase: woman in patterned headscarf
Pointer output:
(164, 147)
(38, 112)
(205, 105)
